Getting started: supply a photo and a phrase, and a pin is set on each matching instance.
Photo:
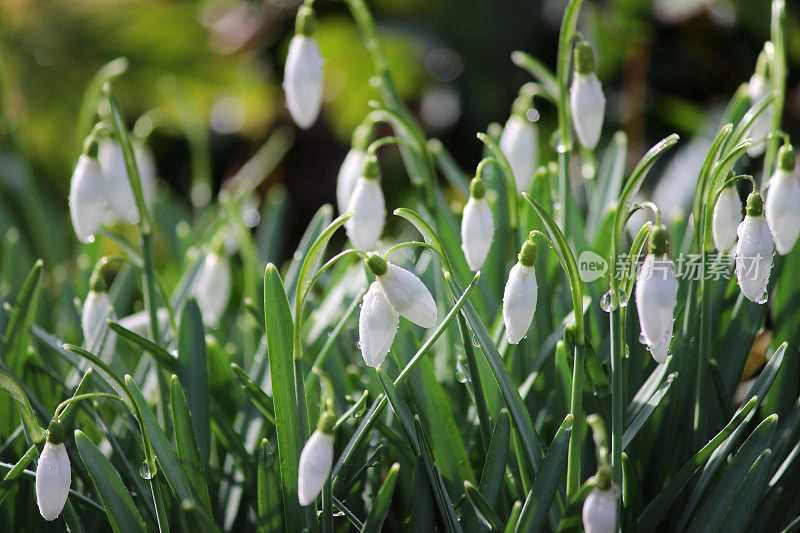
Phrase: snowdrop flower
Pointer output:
(352, 166)
(404, 291)
(757, 88)
(118, 185)
(212, 287)
(783, 202)
(364, 228)
(96, 310)
(726, 218)
(316, 460)
(519, 297)
(587, 102)
(377, 326)
(477, 226)
(53, 474)
(600, 511)
(518, 142)
(754, 251)
(660, 350)
(656, 295)
(88, 197)
(302, 79)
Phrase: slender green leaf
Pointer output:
(644, 415)
(193, 372)
(485, 512)
(380, 507)
(10, 386)
(186, 441)
(270, 517)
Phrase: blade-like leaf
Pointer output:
(193, 372)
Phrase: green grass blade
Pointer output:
(748, 499)
(422, 506)
(648, 409)
(116, 498)
(10, 386)
(259, 398)
(270, 517)
(186, 441)
(162, 357)
(380, 508)
(487, 515)
(494, 468)
(193, 372)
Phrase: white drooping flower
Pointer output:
(97, 309)
(782, 207)
(53, 474)
(726, 218)
(406, 293)
(477, 226)
(302, 79)
(88, 198)
(656, 293)
(353, 166)
(377, 326)
(120, 192)
(660, 350)
(587, 102)
(365, 227)
(600, 511)
(757, 88)
(316, 460)
(212, 287)
(519, 296)
(754, 251)
(518, 143)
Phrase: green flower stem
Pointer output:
(511, 188)
(88, 396)
(777, 71)
(617, 393)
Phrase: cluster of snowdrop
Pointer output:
(100, 191)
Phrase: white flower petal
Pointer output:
(302, 80)
(315, 465)
(408, 295)
(727, 216)
(212, 288)
(477, 231)
(754, 258)
(782, 209)
(97, 309)
(757, 89)
(88, 198)
(377, 326)
(600, 511)
(518, 143)
(519, 302)
(660, 350)
(351, 169)
(53, 478)
(588, 106)
(656, 297)
(118, 185)
(365, 227)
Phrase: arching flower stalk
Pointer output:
(519, 141)
(726, 218)
(365, 227)
(88, 196)
(754, 251)
(353, 166)
(477, 226)
(519, 296)
(657, 295)
(587, 102)
(302, 80)
(316, 460)
(395, 292)
(783, 202)
(53, 474)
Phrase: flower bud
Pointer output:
(365, 227)
(302, 80)
(587, 102)
(316, 460)
(727, 216)
(53, 474)
(518, 143)
(97, 309)
(519, 296)
(600, 511)
(212, 288)
(377, 326)
(88, 198)
(783, 202)
(118, 184)
(757, 88)
(656, 290)
(754, 251)
(660, 350)
(477, 226)
(405, 292)
(352, 166)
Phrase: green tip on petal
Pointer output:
(476, 189)
(755, 205)
(55, 432)
(786, 158)
(658, 241)
(583, 58)
(377, 265)
(96, 282)
(602, 479)
(326, 422)
(305, 22)
(527, 256)
(371, 168)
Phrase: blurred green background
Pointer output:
(216, 67)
